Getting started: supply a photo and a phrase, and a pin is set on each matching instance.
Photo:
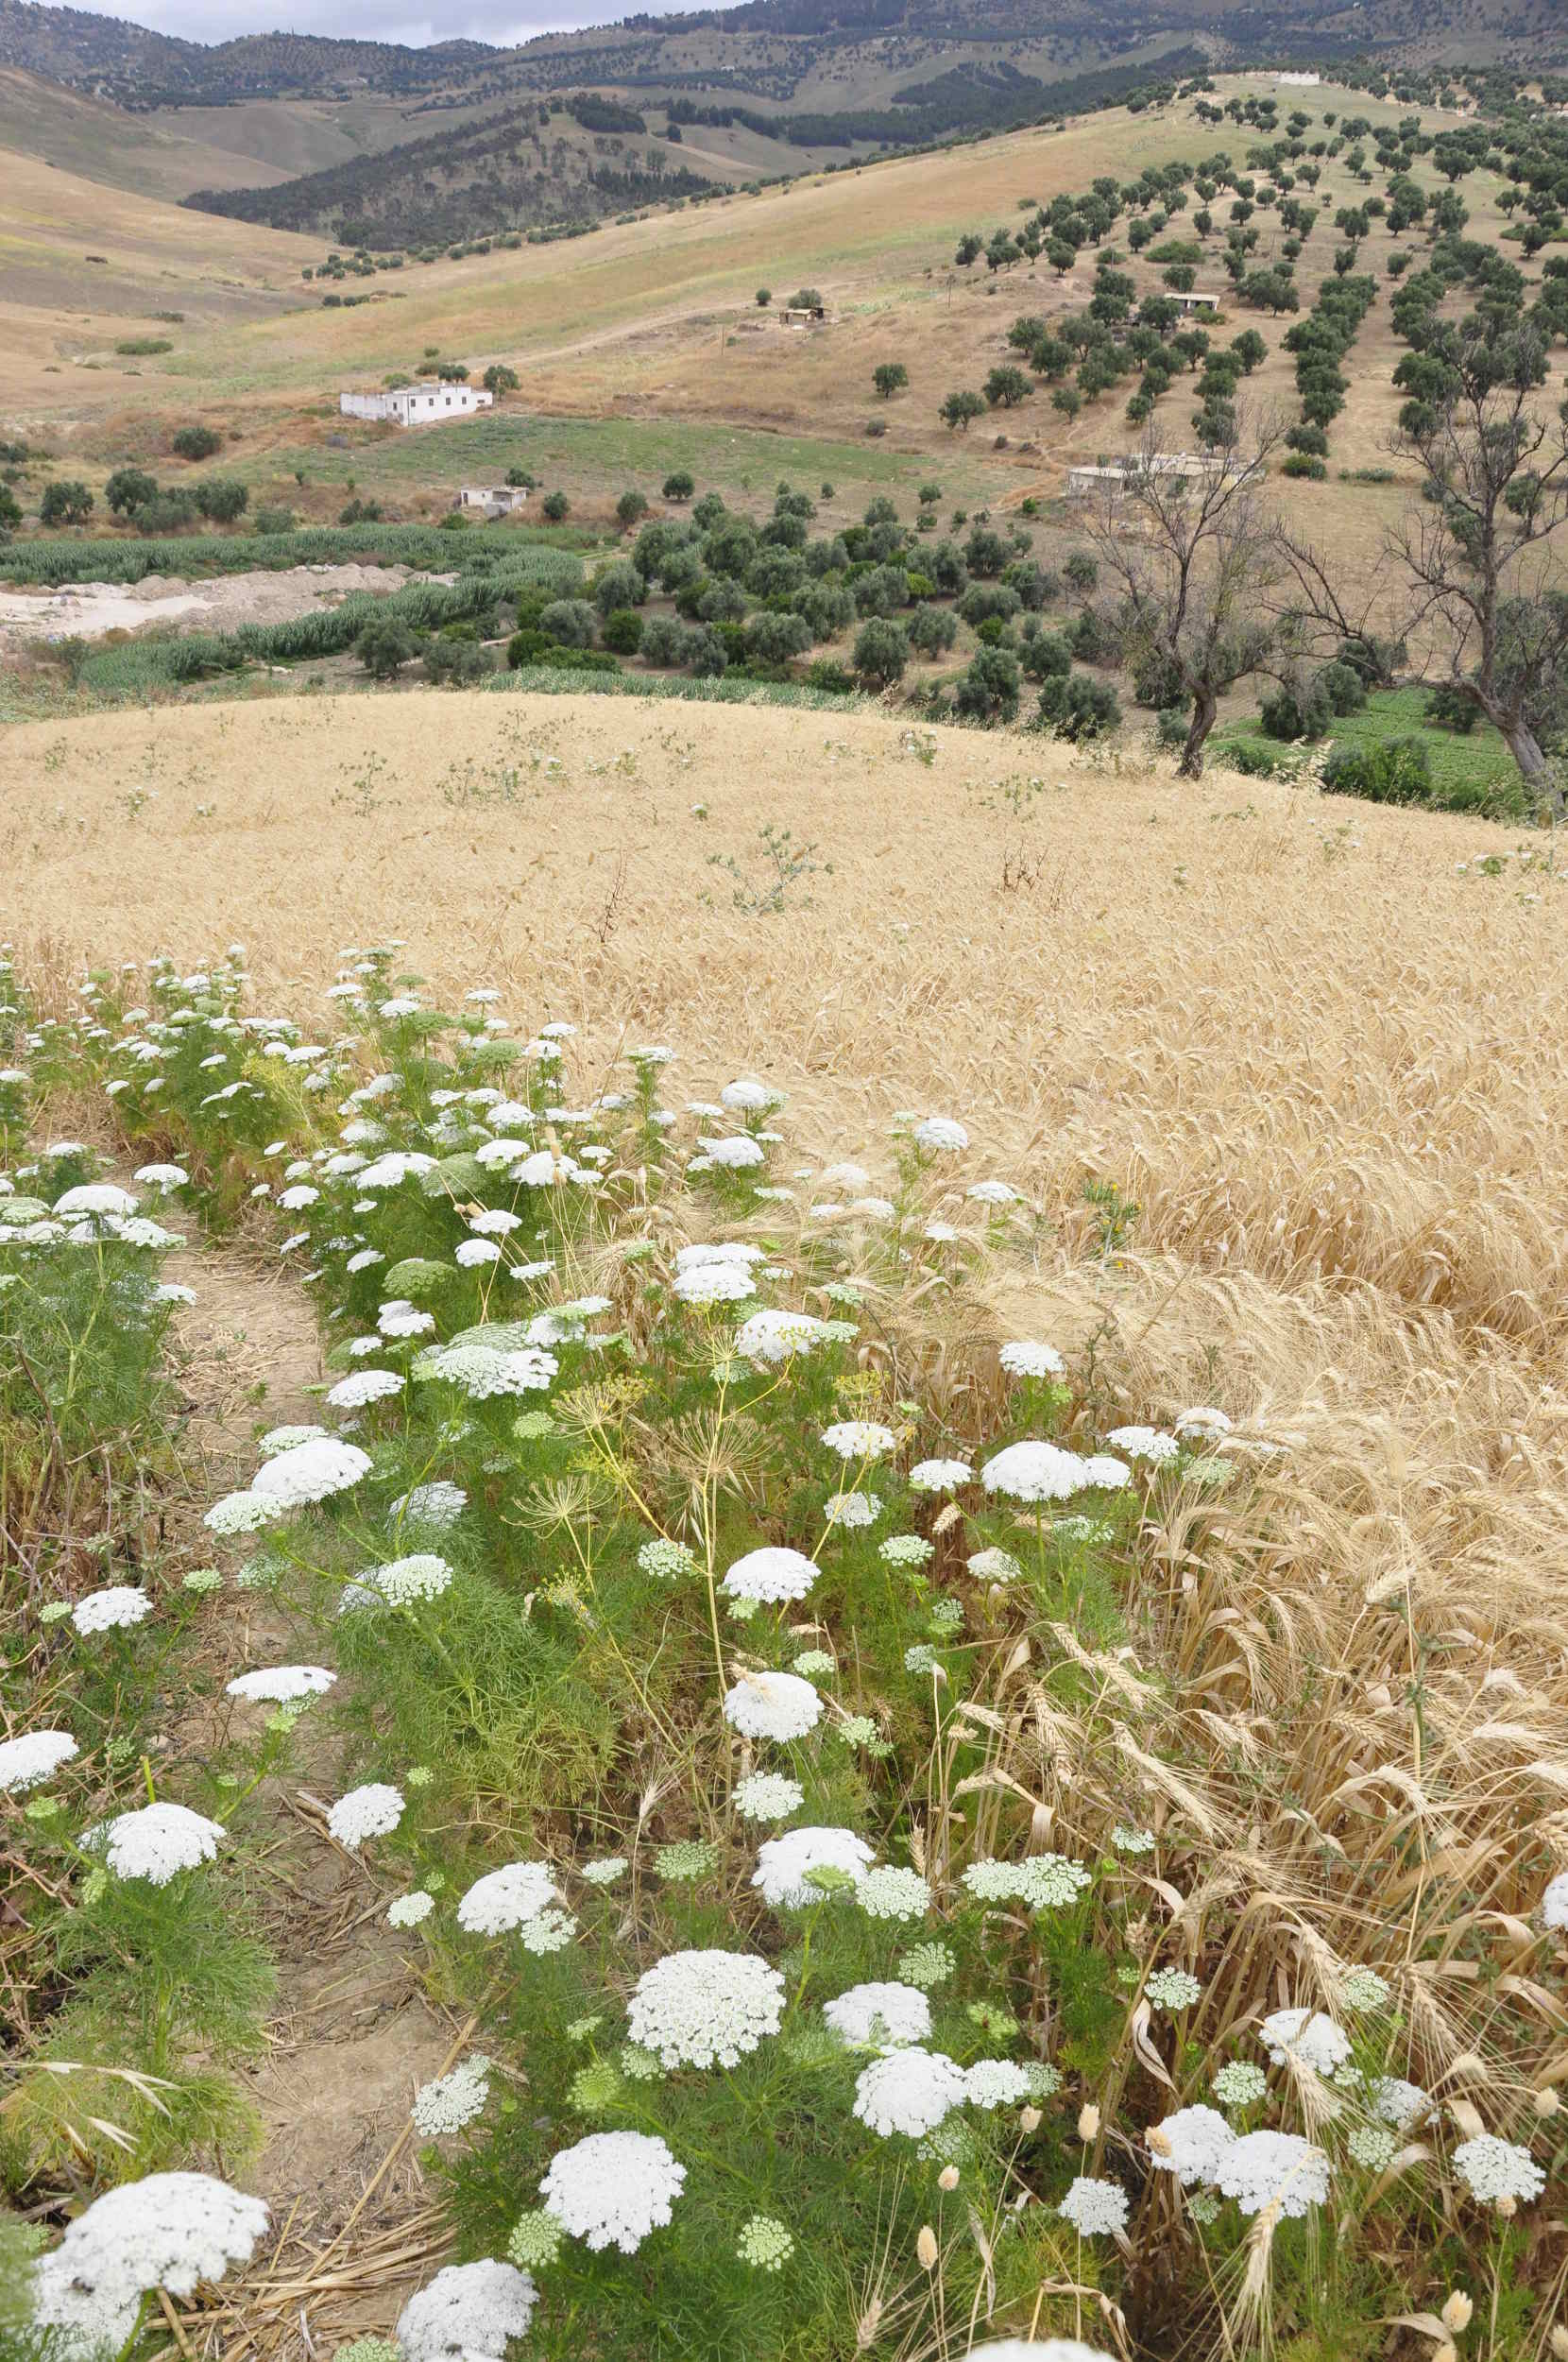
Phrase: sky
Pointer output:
(498, 21)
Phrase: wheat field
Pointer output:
(1309, 1047)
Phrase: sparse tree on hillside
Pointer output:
(960, 408)
(1475, 555)
(890, 378)
(500, 379)
(1190, 558)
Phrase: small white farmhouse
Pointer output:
(496, 500)
(431, 402)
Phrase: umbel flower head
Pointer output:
(767, 1796)
(27, 1761)
(909, 2092)
(282, 1685)
(1038, 2350)
(1304, 2038)
(1190, 2144)
(613, 2189)
(504, 1898)
(115, 1609)
(1496, 2172)
(1273, 2169)
(469, 2313)
(1094, 2207)
(772, 1705)
(785, 1864)
(167, 2230)
(773, 1337)
(881, 2015)
(451, 2100)
(373, 1810)
(159, 1841)
(1035, 1471)
(311, 1472)
(706, 2009)
(771, 1575)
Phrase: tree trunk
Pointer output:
(1205, 711)
(1534, 769)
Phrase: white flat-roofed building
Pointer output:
(430, 403)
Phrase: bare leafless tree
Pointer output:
(1187, 544)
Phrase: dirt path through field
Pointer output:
(88, 610)
(351, 2035)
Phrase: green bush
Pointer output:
(825, 674)
(455, 663)
(273, 520)
(137, 347)
(555, 507)
(988, 690)
(1397, 771)
(1078, 707)
(196, 443)
(881, 651)
(1343, 687)
(678, 487)
(1303, 466)
(222, 499)
(384, 645)
(622, 631)
(569, 621)
(1297, 709)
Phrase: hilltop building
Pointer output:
(431, 402)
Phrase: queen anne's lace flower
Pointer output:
(243, 1513)
(713, 1283)
(410, 1910)
(311, 1472)
(1305, 2038)
(772, 1705)
(483, 1372)
(994, 1565)
(1240, 2084)
(940, 1476)
(775, 1336)
(451, 2100)
(373, 1810)
(1190, 2144)
(504, 1898)
(905, 1549)
(96, 1197)
(1024, 1357)
(1203, 1425)
(439, 1504)
(771, 1576)
(613, 2189)
(604, 1872)
(1037, 2349)
(1172, 1988)
(851, 1509)
(941, 1136)
(1042, 1881)
(736, 1152)
(706, 2009)
(1274, 2168)
(168, 2231)
(767, 1796)
(27, 1761)
(882, 2016)
(364, 1387)
(1095, 2208)
(279, 1439)
(1035, 1471)
(469, 2313)
(405, 1581)
(1145, 1442)
(888, 1893)
(159, 1841)
(1554, 1903)
(996, 2083)
(907, 2091)
(115, 1609)
(859, 1439)
(1495, 2171)
(784, 1864)
(1401, 2104)
(764, 2244)
(282, 1685)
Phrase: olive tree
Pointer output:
(1191, 557)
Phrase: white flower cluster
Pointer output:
(1094, 2207)
(996, 2084)
(859, 1439)
(469, 2313)
(159, 1841)
(451, 2100)
(885, 2017)
(1042, 1881)
(373, 1810)
(613, 2189)
(666, 1560)
(907, 2091)
(1024, 1357)
(784, 1864)
(364, 1387)
(116, 1609)
(1277, 2170)
(1190, 2144)
(1554, 1903)
(1145, 1442)
(767, 1796)
(504, 1898)
(940, 1476)
(772, 1705)
(1497, 2172)
(311, 1472)
(890, 1892)
(27, 1761)
(282, 1685)
(774, 1337)
(483, 1372)
(706, 2009)
(438, 1504)
(853, 1511)
(1305, 2038)
(407, 1582)
(167, 2230)
(1035, 1471)
(771, 1575)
